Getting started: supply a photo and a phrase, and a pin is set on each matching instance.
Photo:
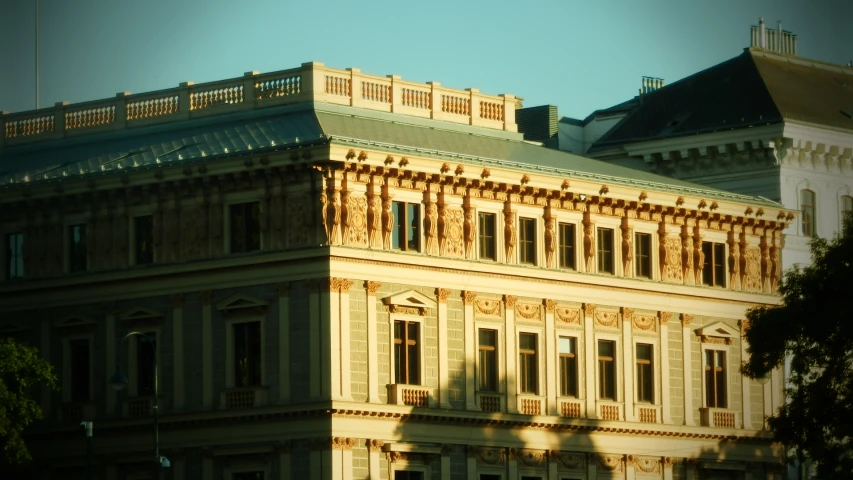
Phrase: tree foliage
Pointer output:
(813, 327)
(21, 370)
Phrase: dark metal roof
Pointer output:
(755, 88)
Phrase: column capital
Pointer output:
(664, 317)
(470, 297)
(442, 293)
(372, 287)
(686, 319)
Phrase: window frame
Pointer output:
(652, 367)
(409, 466)
(577, 362)
(709, 264)
(67, 379)
(527, 226)
(133, 356)
(726, 374)
(418, 225)
(481, 237)
(242, 200)
(134, 254)
(599, 251)
(845, 209)
(230, 349)
(561, 247)
(497, 360)
(537, 361)
(616, 370)
(420, 321)
(8, 256)
(246, 466)
(649, 257)
(808, 228)
(70, 250)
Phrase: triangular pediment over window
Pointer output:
(718, 331)
(74, 321)
(140, 313)
(10, 327)
(241, 302)
(410, 298)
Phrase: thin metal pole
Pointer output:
(37, 54)
(156, 417)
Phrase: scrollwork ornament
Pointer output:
(589, 309)
(686, 319)
(470, 297)
(375, 445)
(550, 306)
(664, 317)
(510, 301)
(443, 293)
(373, 287)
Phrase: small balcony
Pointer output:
(719, 417)
(491, 401)
(243, 397)
(76, 412)
(647, 413)
(414, 395)
(609, 410)
(136, 407)
(531, 405)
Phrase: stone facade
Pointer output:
(351, 344)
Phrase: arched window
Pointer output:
(807, 205)
(846, 210)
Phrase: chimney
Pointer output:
(762, 33)
(650, 84)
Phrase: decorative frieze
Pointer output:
(568, 314)
(529, 458)
(528, 311)
(568, 460)
(606, 319)
(488, 307)
(610, 463)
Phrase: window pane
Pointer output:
(413, 236)
(527, 341)
(247, 354)
(487, 337)
(642, 255)
(644, 352)
(527, 240)
(145, 358)
(605, 250)
(15, 255)
(77, 254)
(567, 245)
(487, 235)
(808, 215)
(245, 227)
(144, 239)
(605, 348)
(567, 345)
(79, 350)
(399, 232)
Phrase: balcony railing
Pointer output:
(530, 405)
(719, 417)
(243, 397)
(75, 412)
(313, 81)
(571, 408)
(491, 402)
(414, 395)
(647, 413)
(609, 410)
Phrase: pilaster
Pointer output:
(469, 298)
(284, 464)
(206, 351)
(344, 346)
(551, 352)
(178, 384)
(509, 337)
(589, 359)
(666, 412)
(443, 384)
(374, 450)
(110, 348)
(628, 362)
(445, 461)
(283, 291)
(372, 344)
(688, 368)
(746, 383)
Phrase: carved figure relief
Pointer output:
(752, 272)
(530, 458)
(775, 267)
(698, 258)
(216, 227)
(509, 235)
(529, 311)
(765, 265)
(298, 220)
(687, 258)
(334, 217)
(627, 251)
(607, 319)
(431, 229)
(647, 464)
(355, 224)
(568, 460)
(644, 322)
(671, 259)
(374, 221)
(120, 241)
(324, 210)
(734, 264)
(550, 243)
(277, 222)
(489, 456)
(470, 231)
(172, 232)
(452, 232)
(387, 223)
(489, 307)
(589, 245)
(610, 463)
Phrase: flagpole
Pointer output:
(37, 54)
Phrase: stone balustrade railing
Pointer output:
(311, 82)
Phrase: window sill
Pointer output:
(719, 417)
(414, 395)
(243, 397)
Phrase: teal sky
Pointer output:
(578, 55)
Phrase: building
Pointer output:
(766, 123)
(349, 276)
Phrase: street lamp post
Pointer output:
(119, 381)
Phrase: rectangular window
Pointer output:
(527, 363)
(247, 354)
(715, 378)
(605, 250)
(145, 360)
(78, 256)
(405, 475)
(607, 369)
(645, 373)
(15, 255)
(568, 367)
(846, 210)
(245, 227)
(488, 371)
(807, 205)
(80, 378)
(527, 241)
(143, 239)
(406, 235)
(714, 270)
(567, 245)
(407, 355)
(486, 234)
(643, 255)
